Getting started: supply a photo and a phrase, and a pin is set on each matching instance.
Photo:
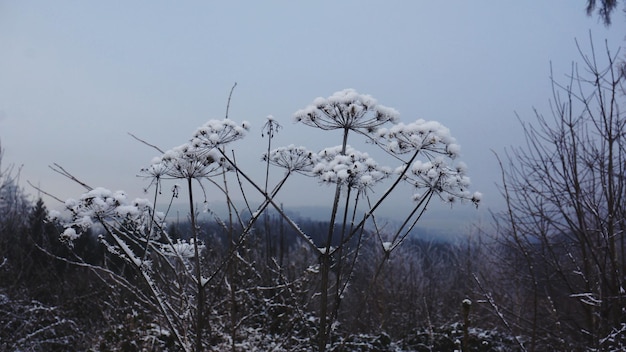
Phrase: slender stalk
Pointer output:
(326, 262)
(270, 200)
(370, 213)
(268, 239)
(156, 293)
(380, 200)
(152, 215)
(230, 268)
(246, 230)
(199, 287)
(339, 265)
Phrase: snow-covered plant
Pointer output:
(29, 325)
(186, 161)
(292, 158)
(217, 133)
(448, 182)
(110, 209)
(425, 151)
(351, 168)
(428, 137)
(437, 173)
(130, 230)
(346, 110)
(180, 248)
(135, 232)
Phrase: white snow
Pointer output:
(346, 109)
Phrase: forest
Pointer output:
(112, 273)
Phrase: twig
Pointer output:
(146, 143)
(44, 192)
(229, 96)
(492, 303)
(60, 170)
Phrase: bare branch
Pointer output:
(229, 96)
(39, 189)
(146, 143)
(60, 170)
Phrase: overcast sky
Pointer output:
(77, 76)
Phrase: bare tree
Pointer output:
(566, 217)
(605, 9)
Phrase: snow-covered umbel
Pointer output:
(352, 168)
(106, 207)
(421, 135)
(346, 109)
(199, 157)
(438, 176)
(271, 126)
(292, 158)
(186, 161)
(181, 249)
(216, 133)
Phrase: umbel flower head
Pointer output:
(186, 161)
(424, 136)
(292, 158)
(346, 110)
(270, 127)
(354, 169)
(181, 248)
(449, 183)
(101, 205)
(216, 133)
(199, 157)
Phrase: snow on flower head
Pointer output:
(352, 168)
(447, 181)
(186, 161)
(270, 127)
(467, 303)
(292, 158)
(105, 207)
(157, 169)
(216, 133)
(421, 135)
(346, 109)
(198, 157)
(181, 248)
(69, 235)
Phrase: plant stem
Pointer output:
(199, 286)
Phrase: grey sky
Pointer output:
(76, 76)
